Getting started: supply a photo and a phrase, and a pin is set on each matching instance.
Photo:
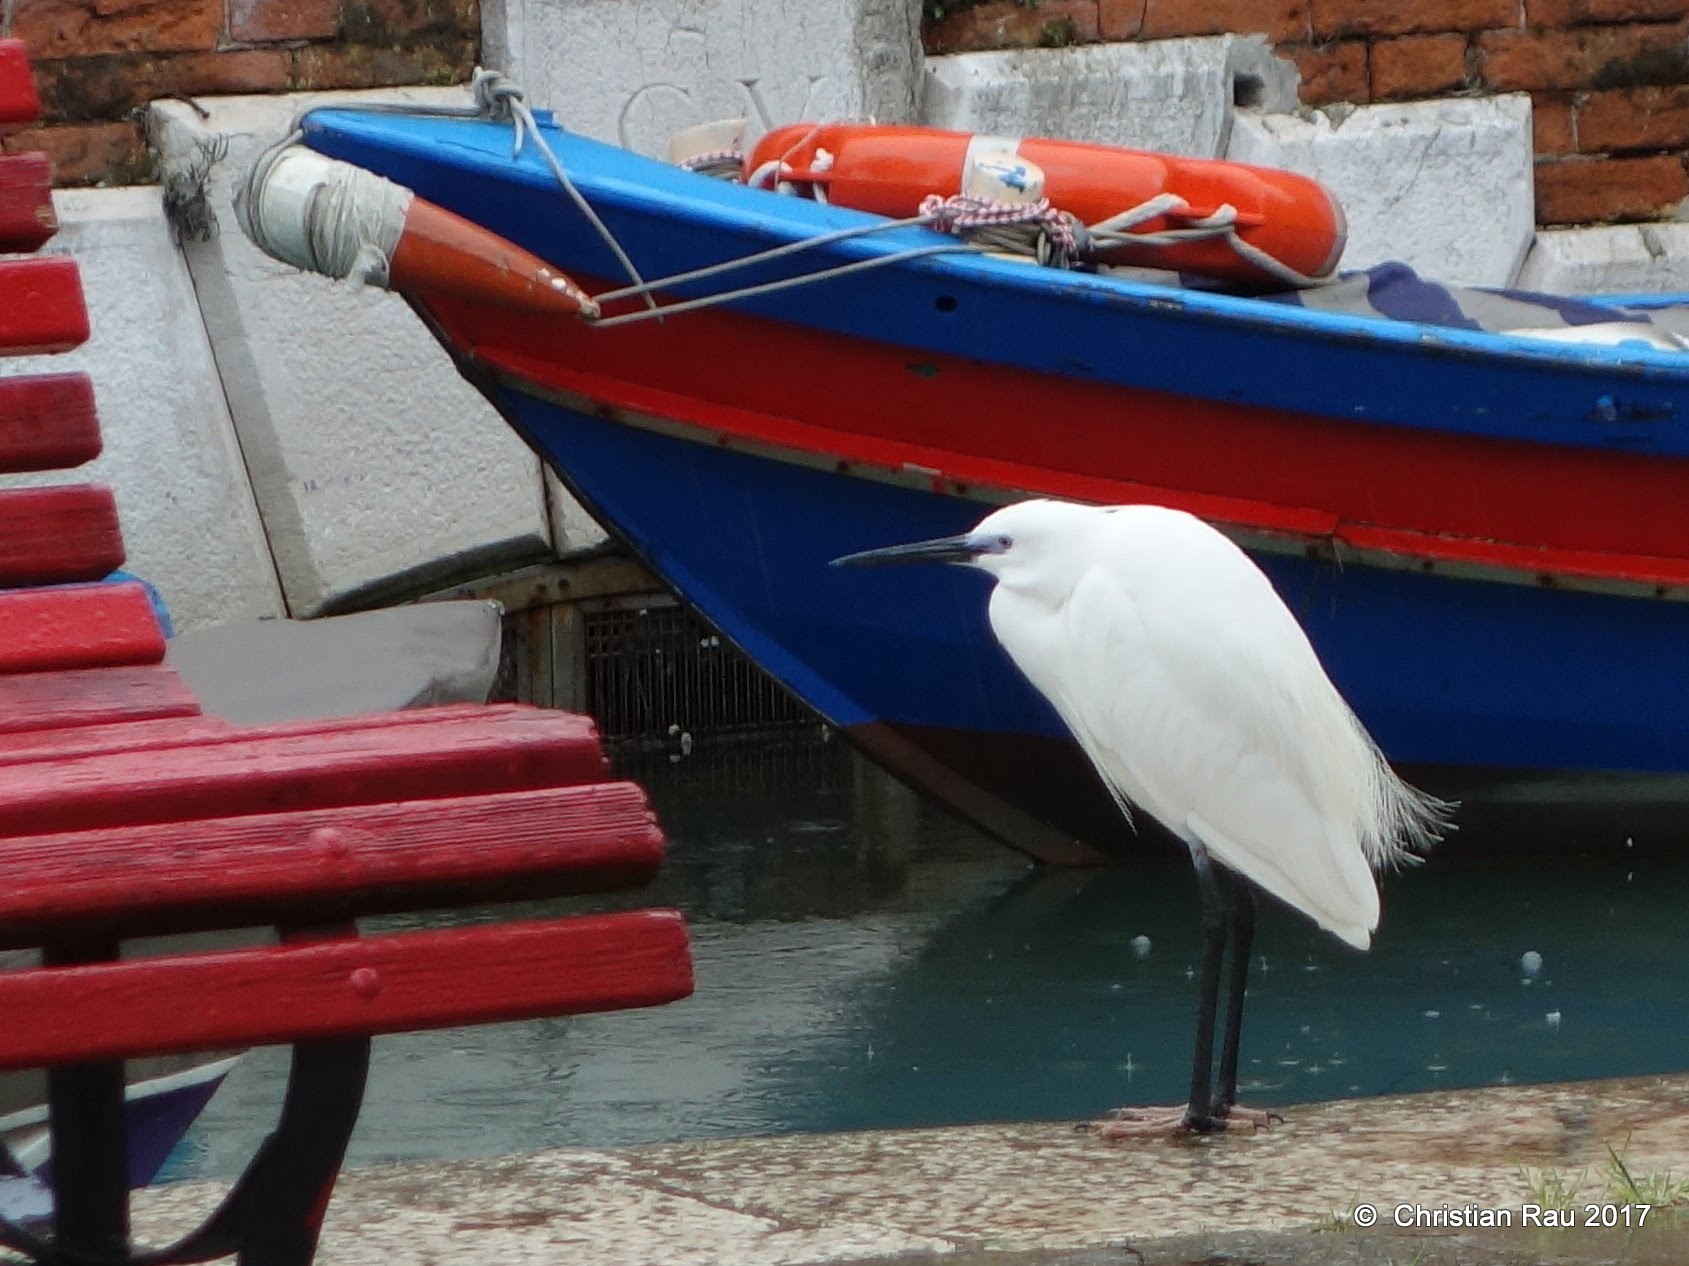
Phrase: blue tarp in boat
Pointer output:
(1396, 292)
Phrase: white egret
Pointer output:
(1197, 696)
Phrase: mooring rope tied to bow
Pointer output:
(341, 235)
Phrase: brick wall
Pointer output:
(97, 62)
(1609, 79)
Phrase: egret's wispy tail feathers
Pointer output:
(1402, 821)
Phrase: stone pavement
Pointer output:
(1043, 1194)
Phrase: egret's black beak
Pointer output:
(945, 549)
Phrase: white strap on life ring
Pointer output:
(994, 170)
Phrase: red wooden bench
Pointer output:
(63, 533)
(124, 813)
(26, 204)
(303, 829)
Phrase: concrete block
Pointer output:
(411, 656)
(1444, 186)
(572, 528)
(635, 72)
(1170, 96)
(171, 455)
(376, 466)
(1612, 259)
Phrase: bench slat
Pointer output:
(91, 740)
(26, 201)
(485, 974)
(32, 702)
(47, 422)
(326, 865)
(461, 753)
(41, 306)
(19, 105)
(58, 534)
(180, 732)
(83, 626)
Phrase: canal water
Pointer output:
(864, 960)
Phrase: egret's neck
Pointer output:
(1046, 586)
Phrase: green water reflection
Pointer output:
(863, 961)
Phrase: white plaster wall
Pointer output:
(189, 521)
(374, 464)
(1445, 186)
(635, 72)
(1611, 259)
(1169, 96)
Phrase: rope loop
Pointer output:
(500, 99)
(1032, 228)
(1060, 240)
(496, 95)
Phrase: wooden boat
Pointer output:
(1482, 532)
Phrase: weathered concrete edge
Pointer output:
(1009, 1188)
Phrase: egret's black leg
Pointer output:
(1216, 922)
(1228, 920)
(1241, 934)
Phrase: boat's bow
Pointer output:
(330, 217)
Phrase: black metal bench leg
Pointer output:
(90, 1141)
(274, 1213)
(325, 1089)
(90, 1159)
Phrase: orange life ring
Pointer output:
(889, 169)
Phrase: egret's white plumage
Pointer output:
(1199, 699)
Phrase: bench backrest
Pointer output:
(126, 813)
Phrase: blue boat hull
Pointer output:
(1514, 594)
(1443, 671)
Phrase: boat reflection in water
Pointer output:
(866, 960)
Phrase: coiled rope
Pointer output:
(1052, 237)
(1121, 230)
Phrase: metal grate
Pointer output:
(654, 672)
(791, 764)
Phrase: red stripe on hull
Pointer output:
(1424, 494)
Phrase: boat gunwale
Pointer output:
(712, 204)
